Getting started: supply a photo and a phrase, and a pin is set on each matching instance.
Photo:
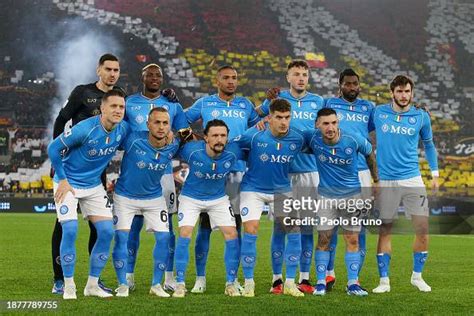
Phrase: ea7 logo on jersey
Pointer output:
(401, 130)
(198, 163)
(304, 115)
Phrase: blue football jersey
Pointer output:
(303, 116)
(355, 117)
(398, 136)
(89, 149)
(337, 164)
(239, 114)
(269, 159)
(143, 166)
(138, 106)
(207, 176)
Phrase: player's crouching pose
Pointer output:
(146, 157)
(270, 153)
(340, 194)
(398, 128)
(89, 146)
(204, 191)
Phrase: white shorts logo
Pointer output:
(63, 209)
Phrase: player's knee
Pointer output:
(229, 233)
(352, 242)
(69, 230)
(105, 230)
(186, 231)
(323, 241)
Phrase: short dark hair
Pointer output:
(215, 122)
(226, 67)
(347, 72)
(401, 80)
(157, 109)
(297, 63)
(106, 57)
(280, 105)
(113, 93)
(326, 112)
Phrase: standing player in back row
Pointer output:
(398, 128)
(355, 116)
(84, 102)
(239, 114)
(138, 107)
(303, 170)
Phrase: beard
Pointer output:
(401, 104)
(218, 148)
(350, 96)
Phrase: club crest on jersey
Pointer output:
(141, 164)
(139, 119)
(313, 105)
(119, 137)
(364, 108)
(412, 120)
(227, 164)
(199, 174)
(385, 128)
(215, 113)
(242, 105)
(292, 146)
(92, 152)
(322, 158)
(264, 157)
(348, 150)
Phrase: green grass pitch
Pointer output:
(25, 274)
